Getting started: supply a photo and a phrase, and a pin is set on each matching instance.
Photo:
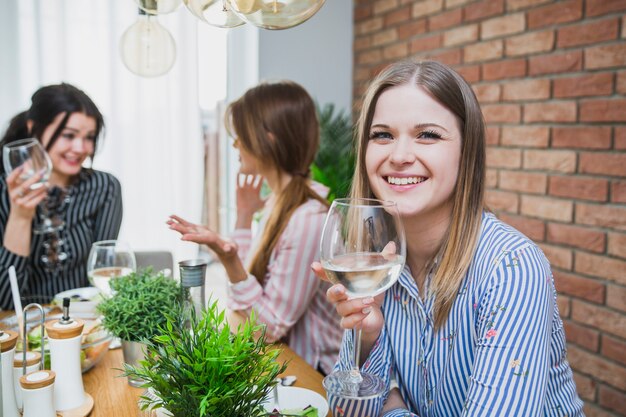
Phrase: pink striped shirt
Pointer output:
(292, 301)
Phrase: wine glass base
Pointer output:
(343, 384)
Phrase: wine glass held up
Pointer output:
(362, 248)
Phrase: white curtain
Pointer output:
(153, 141)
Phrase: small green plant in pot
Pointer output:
(207, 370)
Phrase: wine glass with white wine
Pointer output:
(109, 259)
(362, 248)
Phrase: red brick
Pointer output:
(576, 236)
(361, 74)
(530, 43)
(601, 215)
(426, 7)
(369, 57)
(491, 178)
(533, 228)
(483, 51)
(586, 137)
(547, 208)
(396, 51)
(368, 26)
(564, 305)
(600, 7)
(550, 160)
(559, 12)
(362, 12)
(454, 3)
(514, 68)
(503, 25)
(530, 89)
(617, 245)
(614, 348)
(620, 137)
(384, 37)
(412, 28)
(501, 200)
(590, 410)
(525, 136)
(524, 182)
(362, 42)
(616, 298)
(588, 33)
(599, 317)
(445, 20)
(555, 111)
(398, 16)
(612, 399)
(595, 84)
(426, 43)
(460, 35)
(493, 135)
(618, 191)
(601, 110)
(605, 56)
(513, 5)
(483, 9)
(557, 256)
(501, 113)
(585, 387)
(581, 336)
(487, 93)
(471, 73)
(603, 163)
(555, 63)
(580, 188)
(449, 57)
(601, 267)
(503, 158)
(620, 84)
(383, 6)
(598, 367)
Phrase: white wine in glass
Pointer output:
(109, 259)
(362, 248)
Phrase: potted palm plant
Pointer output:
(202, 367)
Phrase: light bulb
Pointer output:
(158, 6)
(147, 48)
(275, 14)
(214, 12)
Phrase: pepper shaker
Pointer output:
(32, 365)
(8, 339)
(37, 389)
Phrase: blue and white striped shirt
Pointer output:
(501, 352)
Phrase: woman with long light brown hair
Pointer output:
(277, 135)
(472, 327)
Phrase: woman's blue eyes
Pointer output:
(426, 134)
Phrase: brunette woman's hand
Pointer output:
(248, 198)
(203, 235)
(24, 201)
(364, 313)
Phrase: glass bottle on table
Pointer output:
(192, 281)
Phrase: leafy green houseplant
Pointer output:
(334, 163)
(139, 304)
(208, 370)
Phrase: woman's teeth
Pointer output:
(405, 180)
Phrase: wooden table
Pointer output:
(114, 397)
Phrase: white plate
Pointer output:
(91, 294)
(295, 397)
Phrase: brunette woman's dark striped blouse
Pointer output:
(92, 212)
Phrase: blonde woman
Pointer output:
(471, 328)
(276, 133)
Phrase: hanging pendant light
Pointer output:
(147, 48)
(158, 6)
(214, 12)
(275, 14)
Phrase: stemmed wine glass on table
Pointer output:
(109, 259)
(363, 248)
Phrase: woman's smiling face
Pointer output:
(413, 152)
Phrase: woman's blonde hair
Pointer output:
(451, 90)
(277, 124)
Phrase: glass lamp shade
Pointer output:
(275, 14)
(214, 12)
(158, 6)
(147, 48)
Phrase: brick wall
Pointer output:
(551, 79)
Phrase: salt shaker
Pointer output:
(32, 365)
(8, 339)
(64, 338)
(37, 390)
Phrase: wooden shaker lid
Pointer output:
(8, 340)
(32, 358)
(37, 379)
(58, 330)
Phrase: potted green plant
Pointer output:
(137, 308)
(205, 369)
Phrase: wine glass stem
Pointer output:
(355, 374)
